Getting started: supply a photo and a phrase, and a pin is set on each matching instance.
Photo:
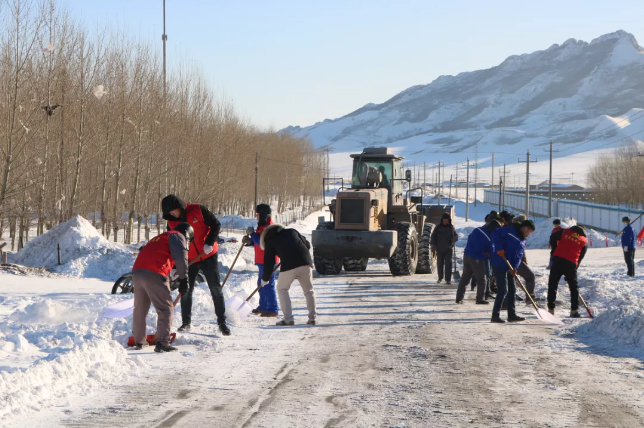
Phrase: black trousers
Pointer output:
(567, 269)
(629, 257)
(444, 259)
(210, 268)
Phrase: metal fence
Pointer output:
(602, 217)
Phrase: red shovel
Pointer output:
(591, 311)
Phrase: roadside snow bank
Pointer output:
(623, 324)
(84, 252)
(81, 369)
(541, 236)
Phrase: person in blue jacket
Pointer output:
(628, 245)
(478, 249)
(509, 246)
(268, 307)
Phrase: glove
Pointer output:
(246, 240)
(263, 283)
(626, 249)
(183, 286)
(250, 230)
(207, 249)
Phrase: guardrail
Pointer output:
(597, 216)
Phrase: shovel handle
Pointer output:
(259, 286)
(174, 304)
(583, 302)
(231, 266)
(196, 259)
(516, 276)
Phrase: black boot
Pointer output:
(574, 314)
(184, 327)
(164, 348)
(224, 329)
(515, 318)
(497, 319)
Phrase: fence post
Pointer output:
(58, 254)
(606, 240)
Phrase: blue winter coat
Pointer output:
(479, 243)
(507, 239)
(628, 237)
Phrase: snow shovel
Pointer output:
(126, 307)
(542, 314)
(591, 311)
(241, 306)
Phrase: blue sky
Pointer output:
(286, 62)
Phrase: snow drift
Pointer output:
(84, 252)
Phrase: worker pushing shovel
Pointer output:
(569, 252)
(151, 283)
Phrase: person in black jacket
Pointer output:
(204, 248)
(293, 250)
(442, 242)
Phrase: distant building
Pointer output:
(559, 187)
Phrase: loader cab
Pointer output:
(377, 167)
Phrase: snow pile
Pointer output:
(81, 369)
(84, 252)
(623, 324)
(541, 235)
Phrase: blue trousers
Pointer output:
(267, 295)
(505, 286)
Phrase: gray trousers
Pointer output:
(476, 268)
(304, 274)
(526, 273)
(150, 287)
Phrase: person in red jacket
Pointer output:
(151, 284)
(570, 251)
(267, 297)
(206, 228)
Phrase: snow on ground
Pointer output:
(84, 252)
(53, 343)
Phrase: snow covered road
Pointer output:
(388, 352)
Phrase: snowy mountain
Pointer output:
(583, 96)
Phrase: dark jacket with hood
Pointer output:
(444, 236)
(172, 202)
(291, 247)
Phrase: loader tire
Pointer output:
(123, 285)
(405, 257)
(355, 265)
(426, 258)
(323, 265)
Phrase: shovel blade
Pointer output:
(239, 305)
(546, 316)
(150, 338)
(121, 309)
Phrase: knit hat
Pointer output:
(446, 216)
(264, 211)
(556, 222)
(170, 203)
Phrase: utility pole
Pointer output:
(257, 173)
(164, 37)
(492, 182)
(456, 187)
(439, 183)
(425, 175)
(500, 188)
(467, 192)
(450, 190)
(476, 179)
(550, 183)
(503, 190)
(527, 182)
(443, 182)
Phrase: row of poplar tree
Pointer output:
(88, 127)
